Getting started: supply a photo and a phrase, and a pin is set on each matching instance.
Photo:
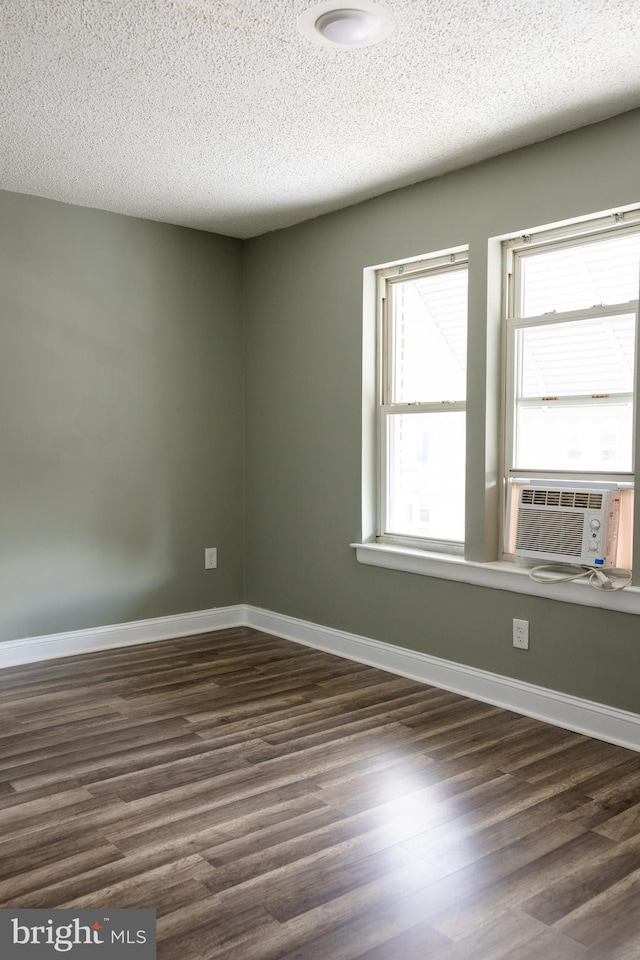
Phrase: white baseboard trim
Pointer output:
(31, 649)
(573, 713)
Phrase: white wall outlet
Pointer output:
(210, 558)
(521, 634)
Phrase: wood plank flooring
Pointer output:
(273, 802)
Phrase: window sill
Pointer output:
(497, 575)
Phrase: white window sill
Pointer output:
(498, 575)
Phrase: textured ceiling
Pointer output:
(220, 115)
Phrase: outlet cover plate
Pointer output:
(521, 634)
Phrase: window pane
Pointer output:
(578, 357)
(426, 475)
(429, 337)
(581, 275)
(588, 437)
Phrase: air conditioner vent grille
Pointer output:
(548, 531)
(583, 499)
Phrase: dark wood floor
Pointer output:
(273, 802)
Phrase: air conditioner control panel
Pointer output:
(595, 531)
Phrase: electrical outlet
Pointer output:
(210, 558)
(521, 634)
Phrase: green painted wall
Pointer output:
(121, 452)
(303, 321)
(123, 362)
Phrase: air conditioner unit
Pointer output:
(565, 524)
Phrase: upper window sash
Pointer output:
(518, 249)
(389, 278)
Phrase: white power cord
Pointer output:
(600, 578)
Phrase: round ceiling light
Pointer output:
(357, 26)
(347, 27)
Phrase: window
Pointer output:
(551, 396)
(571, 325)
(571, 330)
(422, 392)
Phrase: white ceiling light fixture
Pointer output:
(360, 25)
(349, 28)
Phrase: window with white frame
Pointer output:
(422, 392)
(571, 326)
